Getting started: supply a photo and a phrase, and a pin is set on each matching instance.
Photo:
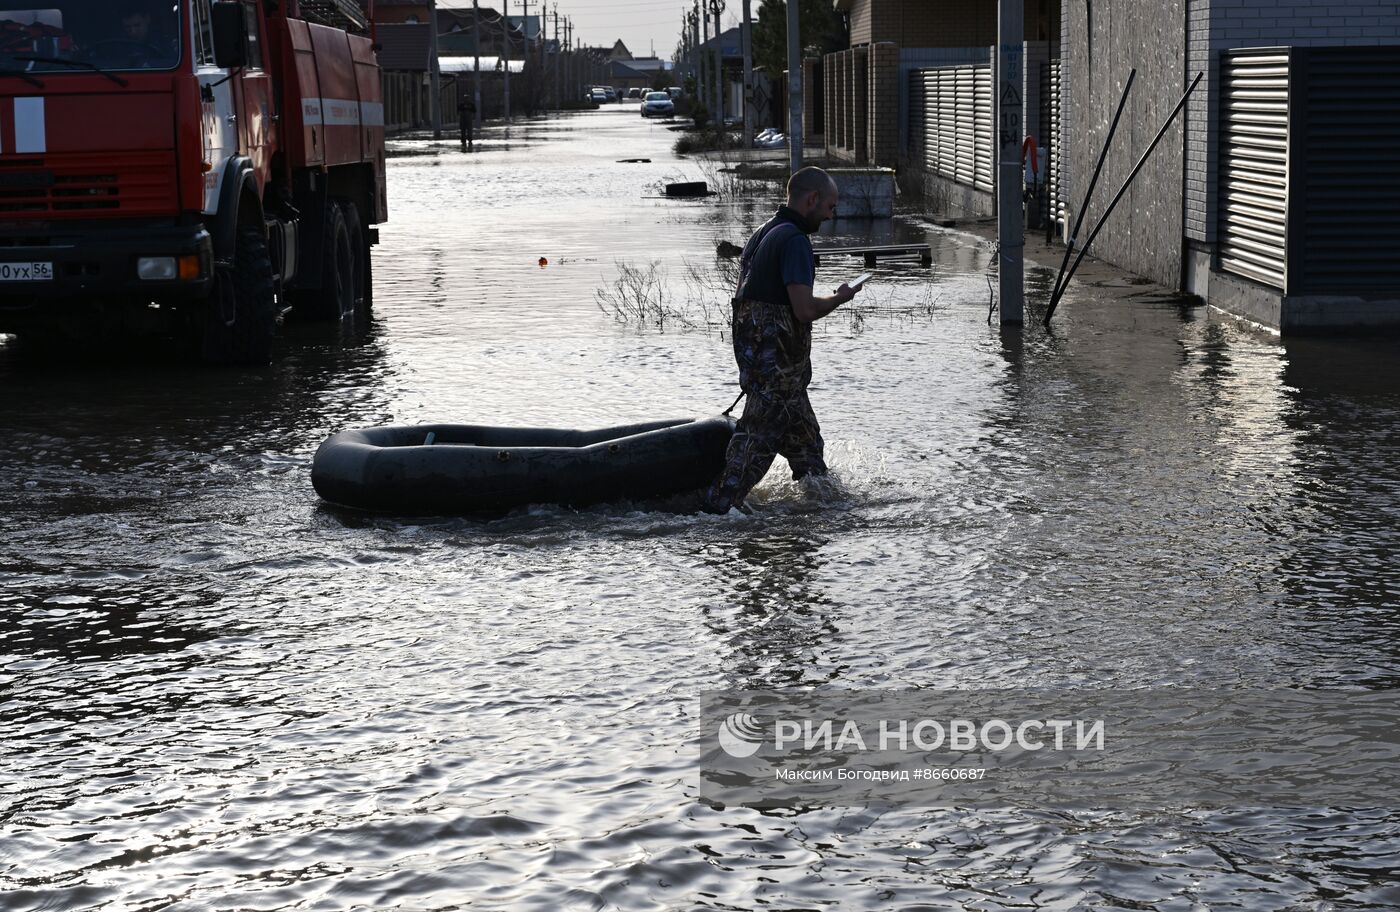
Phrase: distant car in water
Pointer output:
(598, 95)
(658, 104)
(634, 93)
(675, 92)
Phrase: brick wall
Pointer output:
(848, 117)
(944, 23)
(883, 104)
(860, 103)
(1216, 25)
(1145, 234)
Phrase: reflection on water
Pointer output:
(218, 694)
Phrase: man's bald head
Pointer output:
(809, 180)
(811, 192)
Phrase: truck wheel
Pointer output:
(335, 299)
(364, 276)
(241, 315)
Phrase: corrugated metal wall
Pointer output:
(1344, 233)
(1253, 189)
(950, 123)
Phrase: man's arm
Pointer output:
(809, 308)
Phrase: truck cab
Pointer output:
(196, 168)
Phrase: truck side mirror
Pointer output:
(228, 24)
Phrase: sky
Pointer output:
(639, 23)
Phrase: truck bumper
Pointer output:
(94, 264)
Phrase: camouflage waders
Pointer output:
(774, 350)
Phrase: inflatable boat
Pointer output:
(443, 469)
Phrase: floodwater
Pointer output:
(216, 693)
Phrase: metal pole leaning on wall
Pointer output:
(1089, 191)
(1055, 300)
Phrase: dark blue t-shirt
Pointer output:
(778, 255)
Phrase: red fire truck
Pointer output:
(197, 167)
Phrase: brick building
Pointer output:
(879, 102)
(1276, 197)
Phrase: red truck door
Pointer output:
(257, 115)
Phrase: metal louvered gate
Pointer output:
(1054, 170)
(1253, 189)
(950, 123)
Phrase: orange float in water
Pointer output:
(543, 262)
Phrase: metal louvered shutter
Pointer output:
(1345, 193)
(946, 160)
(919, 118)
(985, 174)
(1253, 189)
(950, 123)
(1055, 168)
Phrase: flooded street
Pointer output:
(220, 694)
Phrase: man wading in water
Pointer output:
(773, 313)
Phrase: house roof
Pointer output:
(405, 47)
(618, 69)
(729, 43)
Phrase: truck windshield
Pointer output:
(121, 35)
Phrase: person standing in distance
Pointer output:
(466, 120)
(774, 308)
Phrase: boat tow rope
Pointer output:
(726, 412)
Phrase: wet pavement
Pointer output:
(220, 694)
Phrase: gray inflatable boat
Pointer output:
(446, 469)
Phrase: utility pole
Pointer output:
(571, 65)
(747, 45)
(505, 52)
(702, 83)
(525, 70)
(476, 73)
(1010, 229)
(434, 74)
(794, 37)
(558, 54)
(717, 7)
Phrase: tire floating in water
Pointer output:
(452, 469)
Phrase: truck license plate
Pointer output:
(26, 272)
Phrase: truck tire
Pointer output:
(241, 315)
(364, 275)
(335, 299)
